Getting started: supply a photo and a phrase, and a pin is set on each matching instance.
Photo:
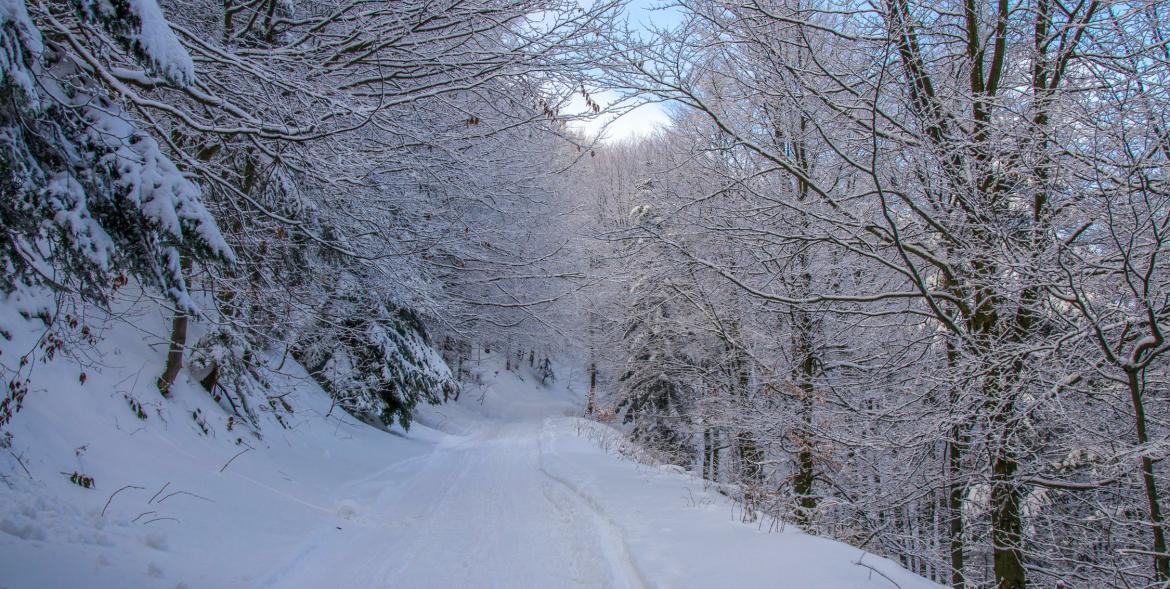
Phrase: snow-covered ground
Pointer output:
(504, 489)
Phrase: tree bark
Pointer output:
(955, 491)
(178, 342)
(802, 482)
(1161, 563)
(174, 353)
(591, 397)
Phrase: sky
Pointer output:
(647, 117)
(642, 120)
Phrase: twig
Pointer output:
(238, 454)
(884, 576)
(141, 515)
(150, 521)
(185, 493)
(134, 386)
(115, 493)
(164, 487)
(21, 463)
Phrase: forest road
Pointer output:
(478, 511)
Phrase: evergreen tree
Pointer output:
(375, 359)
(88, 197)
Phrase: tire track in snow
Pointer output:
(623, 567)
(485, 499)
(520, 526)
(453, 482)
(314, 554)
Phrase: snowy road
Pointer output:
(521, 496)
(478, 511)
(505, 488)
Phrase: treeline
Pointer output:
(898, 273)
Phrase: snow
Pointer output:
(71, 211)
(505, 488)
(153, 37)
(159, 42)
(14, 13)
(151, 181)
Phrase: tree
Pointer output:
(89, 196)
(940, 166)
(387, 147)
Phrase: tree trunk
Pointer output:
(715, 454)
(1006, 525)
(174, 353)
(955, 491)
(1007, 538)
(228, 26)
(750, 458)
(591, 397)
(208, 382)
(178, 342)
(707, 450)
(1161, 563)
(802, 482)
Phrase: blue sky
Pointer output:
(645, 118)
(644, 13)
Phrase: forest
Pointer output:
(895, 272)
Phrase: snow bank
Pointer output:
(683, 534)
(167, 508)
